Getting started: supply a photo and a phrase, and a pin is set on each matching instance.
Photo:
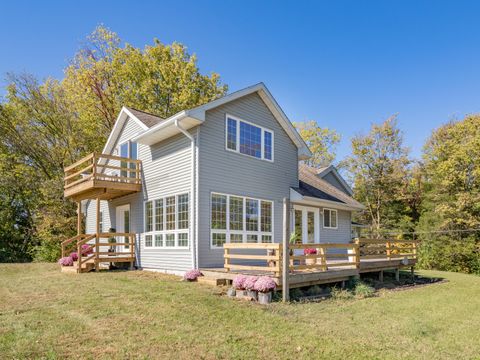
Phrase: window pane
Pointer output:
(298, 226)
(183, 239)
(170, 212)
(266, 216)
(148, 216)
(326, 218)
(231, 134)
(133, 150)
(266, 238)
(123, 153)
(159, 215)
(250, 140)
(311, 227)
(182, 211)
(236, 238)
(267, 145)
(333, 218)
(252, 238)
(236, 213)
(148, 240)
(169, 240)
(159, 240)
(251, 214)
(218, 239)
(219, 212)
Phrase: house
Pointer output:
(207, 176)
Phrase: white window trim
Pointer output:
(177, 231)
(336, 217)
(243, 232)
(262, 138)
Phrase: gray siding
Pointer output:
(342, 234)
(332, 180)
(166, 171)
(227, 172)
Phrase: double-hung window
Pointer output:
(239, 219)
(167, 222)
(249, 139)
(330, 219)
(128, 150)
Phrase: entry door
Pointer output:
(306, 224)
(123, 225)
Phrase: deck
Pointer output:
(311, 264)
(102, 176)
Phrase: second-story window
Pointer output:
(248, 139)
(128, 150)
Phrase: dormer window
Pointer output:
(248, 139)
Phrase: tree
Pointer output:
(321, 142)
(450, 217)
(160, 79)
(378, 168)
(45, 126)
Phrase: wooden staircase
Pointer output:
(96, 251)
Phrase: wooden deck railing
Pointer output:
(321, 257)
(103, 167)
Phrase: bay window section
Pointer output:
(167, 222)
(238, 219)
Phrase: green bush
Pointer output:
(341, 294)
(47, 251)
(314, 290)
(296, 294)
(363, 290)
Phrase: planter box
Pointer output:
(265, 298)
(240, 294)
(252, 294)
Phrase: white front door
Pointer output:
(306, 224)
(122, 216)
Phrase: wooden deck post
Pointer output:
(412, 272)
(97, 239)
(79, 218)
(286, 251)
(357, 253)
(380, 276)
(388, 249)
(397, 274)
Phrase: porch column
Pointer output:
(286, 251)
(97, 239)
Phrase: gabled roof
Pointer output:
(324, 171)
(146, 118)
(196, 116)
(314, 188)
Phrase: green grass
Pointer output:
(47, 314)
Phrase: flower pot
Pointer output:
(240, 293)
(265, 298)
(231, 292)
(252, 294)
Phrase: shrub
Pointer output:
(296, 294)
(340, 294)
(66, 261)
(239, 282)
(314, 290)
(265, 284)
(74, 256)
(250, 282)
(310, 251)
(362, 290)
(192, 275)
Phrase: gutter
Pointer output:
(193, 232)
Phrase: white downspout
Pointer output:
(193, 193)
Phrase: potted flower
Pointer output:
(74, 256)
(250, 286)
(66, 261)
(192, 275)
(87, 249)
(265, 285)
(239, 285)
(310, 251)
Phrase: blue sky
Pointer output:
(344, 64)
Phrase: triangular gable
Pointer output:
(333, 170)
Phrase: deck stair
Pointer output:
(96, 251)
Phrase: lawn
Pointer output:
(47, 314)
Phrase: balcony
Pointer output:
(102, 176)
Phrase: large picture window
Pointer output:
(238, 219)
(249, 139)
(167, 222)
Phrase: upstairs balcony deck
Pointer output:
(102, 176)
